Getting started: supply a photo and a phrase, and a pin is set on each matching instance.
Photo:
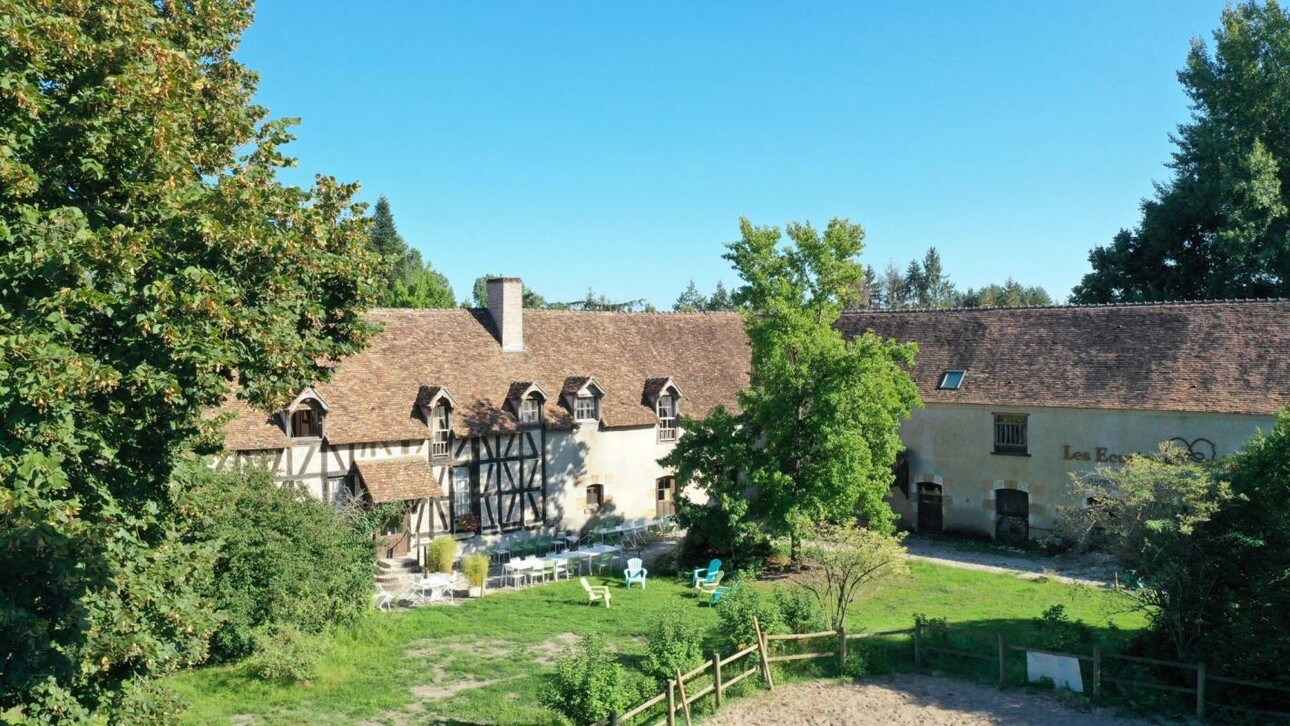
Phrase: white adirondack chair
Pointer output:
(596, 592)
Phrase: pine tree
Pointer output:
(720, 299)
(410, 283)
(690, 300)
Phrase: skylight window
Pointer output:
(951, 380)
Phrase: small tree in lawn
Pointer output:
(844, 562)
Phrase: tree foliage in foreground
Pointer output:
(149, 258)
(1220, 227)
(1208, 550)
(817, 432)
(282, 558)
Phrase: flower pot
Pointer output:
(476, 591)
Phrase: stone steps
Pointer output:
(392, 571)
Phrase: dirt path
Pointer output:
(907, 700)
(1081, 570)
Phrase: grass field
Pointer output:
(483, 661)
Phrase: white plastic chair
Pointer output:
(596, 592)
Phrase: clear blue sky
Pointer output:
(615, 145)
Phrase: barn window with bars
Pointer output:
(1010, 434)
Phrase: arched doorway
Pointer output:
(1012, 516)
(931, 512)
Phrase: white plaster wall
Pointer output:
(625, 461)
(953, 445)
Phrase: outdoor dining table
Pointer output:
(516, 568)
(437, 583)
(586, 554)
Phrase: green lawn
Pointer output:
(483, 661)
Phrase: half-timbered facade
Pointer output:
(491, 421)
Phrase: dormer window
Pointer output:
(663, 395)
(440, 430)
(581, 396)
(306, 423)
(667, 417)
(530, 411)
(304, 415)
(436, 406)
(586, 408)
(525, 399)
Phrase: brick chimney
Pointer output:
(506, 305)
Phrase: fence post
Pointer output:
(685, 700)
(918, 645)
(613, 718)
(765, 654)
(842, 649)
(1003, 660)
(1200, 690)
(1097, 672)
(671, 702)
(716, 675)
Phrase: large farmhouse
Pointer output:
(495, 420)
(502, 419)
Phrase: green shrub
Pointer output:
(587, 684)
(283, 558)
(675, 643)
(283, 655)
(1058, 632)
(737, 610)
(475, 568)
(440, 553)
(799, 610)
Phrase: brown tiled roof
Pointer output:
(1229, 357)
(373, 395)
(394, 480)
(655, 386)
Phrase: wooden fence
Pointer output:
(1098, 660)
(678, 699)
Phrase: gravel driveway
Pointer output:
(1083, 569)
(907, 700)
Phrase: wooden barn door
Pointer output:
(931, 510)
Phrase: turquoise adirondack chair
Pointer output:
(705, 575)
(719, 593)
(635, 573)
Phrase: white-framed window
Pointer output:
(530, 411)
(440, 430)
(586, 408)
(666, 418)
(951, 380)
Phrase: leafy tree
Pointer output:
(412, 283)
(709, 456)
(283, 558)
(690, 300)
(479, 294)
(149, 258)
(720, 299)
(1251, 636)
(1220, 227)
(818, 427)
(1152, 514)
(675, 643)
(844, 560)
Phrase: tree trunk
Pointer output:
(794, 551)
